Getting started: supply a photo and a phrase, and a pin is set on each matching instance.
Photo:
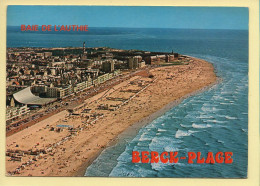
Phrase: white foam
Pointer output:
(229, 117)
(144, 137)
(161, 130)
(216, 121)
(184, 125)
(205, 117)
(221, 141)
(224, 103)
(201, 126)
(159, 166)
(181, 133)
(171, 148)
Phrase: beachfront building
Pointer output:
(157, 59)
(103, 78)
(169, 58)
(117, 72)
(141, 64)
(89, 82)
(110, 75)
(52, 92)
(108, 66)
(80, 86)
(95, 82)
(59, 92)
(16, 112)
(65, 91)
(26, 97)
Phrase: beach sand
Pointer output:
(147, 98)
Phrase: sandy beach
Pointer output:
(45, 149)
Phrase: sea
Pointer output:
(215, 120)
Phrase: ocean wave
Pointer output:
(216, 121)
(205, 117)
(185, 126)
(200, 126)
(210, 109)
(159, 166)
(181, 133)
(229, 117)
(170, 148)
(219, 141)
(161, 130)
(217, 97)
(224, 103)
(145, 137)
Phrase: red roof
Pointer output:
(16, 83)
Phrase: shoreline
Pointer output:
(173, 84)
(134, 128)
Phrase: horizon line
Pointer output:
(152, 27)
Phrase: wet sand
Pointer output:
(170, 85)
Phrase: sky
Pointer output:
(131, 17)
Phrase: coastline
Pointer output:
(193, 79)
(133, 129)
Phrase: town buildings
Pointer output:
(37, 77)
